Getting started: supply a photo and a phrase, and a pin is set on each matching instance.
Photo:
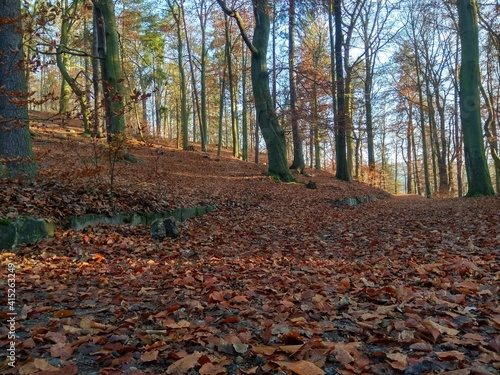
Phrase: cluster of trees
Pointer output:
(394, 93)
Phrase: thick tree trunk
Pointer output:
(266, 117)
(16, 156)
(112, 74)
(273, 135)
(343, 172)
(478, 175)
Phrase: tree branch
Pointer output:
(234, 13)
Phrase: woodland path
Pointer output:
(278, 279)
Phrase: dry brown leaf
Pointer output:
(450, 355)
(306, 368)
(150, 356)
(421, 347)
(211, 369)
(342, 355)
(183, 365)
(264, 350)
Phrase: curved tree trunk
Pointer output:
(16, 156)
(266, 117)
(62, 61)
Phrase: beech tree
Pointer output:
(478, 174)
(62, 60)
(16, 156)
(266, 116)
(111, 70)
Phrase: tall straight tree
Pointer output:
(266, 116)
(111, 69)
(16, 156)
(174, 8)
(478, 175)
(343, 171)
(298, 153)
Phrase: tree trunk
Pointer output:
(273, 135)
(16, 155)
(112, 74)
(343, 172)
(184, 120)
(203, 81)
(98, 130)
(244, 111)
(425, 149)
(232, 93)
(298, 153)
(409, 132)
(266, 117)
(476, 166)
(62, 61)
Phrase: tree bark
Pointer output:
(62, 62)
(112, 74)
(476, 166)
(16, 155)
(298, 152)
(343, 172)
(266, 117)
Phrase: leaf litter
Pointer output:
(276, 280)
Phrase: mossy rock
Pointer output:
(30, 230)
(7, 235)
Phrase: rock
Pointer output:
(24, 230)
(30, 230)
(7, 234)
(311, 185)
(164, 227)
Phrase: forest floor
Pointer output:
(278, 279)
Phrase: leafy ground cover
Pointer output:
(279, 279)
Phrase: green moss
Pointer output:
(5, 221)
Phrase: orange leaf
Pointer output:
(264, 350)
(63, 314)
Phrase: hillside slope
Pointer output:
(278, 279)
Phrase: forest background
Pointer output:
(184, 73)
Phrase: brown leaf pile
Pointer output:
(279, 279)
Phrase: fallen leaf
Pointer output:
(183, 365)
(150, 356)
(306, 368)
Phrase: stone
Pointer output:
(164, 227)
(24, 230)
(7, 234)
(311, 185)
(30, 230)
